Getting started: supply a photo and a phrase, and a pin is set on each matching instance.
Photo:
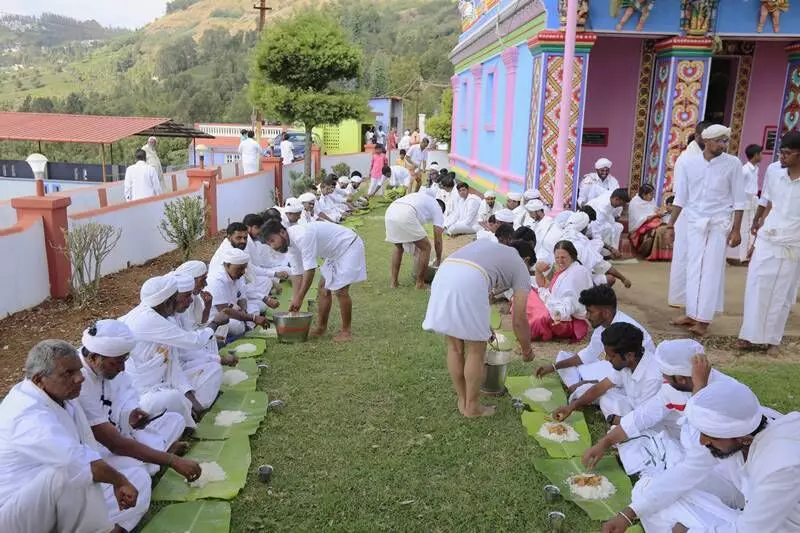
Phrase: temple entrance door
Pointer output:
(721, 90)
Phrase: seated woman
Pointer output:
(649, 233)
(553, 307)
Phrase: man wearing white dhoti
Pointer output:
(740, 254)
(459, 309)
(153, 365)
(265, 263)
(579, 371)
(761, 456)
(463, 220)
(329, 207)
(677, 272)
(774, 271)
(597, 182)
(608, 207)
(405, 221)
(311, 211)
(141, 180)
(52, 477)
(229, 292)
(667, 476)
(488, 207)
(112, 408)
(344, 264)
(710, 190)
(199, 310)
(635, 377)
(250, 154)
(154, 161)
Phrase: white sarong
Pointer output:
(459, 302)
(705, 287)
(677, 271)
(696, 509)
(613, 402)
(402, 224)
(348, 268)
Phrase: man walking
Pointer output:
(250, 153)
(141, 179)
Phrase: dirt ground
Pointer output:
(59, 319)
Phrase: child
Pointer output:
(379, 160)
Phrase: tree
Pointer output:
(441, 124)
(301, 65)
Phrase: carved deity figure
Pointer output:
(634, 6)
(698, 16)
(467, 10)
(773, 8)
(583, 13)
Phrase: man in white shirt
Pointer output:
(488, 207)
(463, 219)
(52, 475)
(405, 221)
(344, 264)
(287, 150)
(141, 179)
(597, 182)
(533, 215)
(250, 154)
(579, 371)
(740, 254)
(514, 202)
(291, 213)
(405, 141)
(774, 271)
(709, 190)
(112, 406)
(608, 207)
(417, 159)
(154, 161)
(398, 176)
(229, 292)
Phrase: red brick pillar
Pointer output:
(207, 179)
(52, 211)
(316, 160)
(275, 164)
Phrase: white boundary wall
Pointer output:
(237, 197)
(26, 281)
(141, 241)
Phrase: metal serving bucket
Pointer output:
(292, 327)
(495, 368)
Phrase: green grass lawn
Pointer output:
(371, 440)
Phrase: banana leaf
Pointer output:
(259, 332)
(233, 456)
(192, 517)
(517, 385)
(250, 367)
(260, 344)
(508, 344)
(534, 421)
(558, 470)
(254, 404)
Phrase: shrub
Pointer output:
(300, 183)
(183, 223)
(341, 169)
(87, 247)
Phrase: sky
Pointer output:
(118, 13)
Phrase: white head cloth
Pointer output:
(112, 338)
(490, 194)
(157, 290)
(151, 140)
(194, 269)
(675, 357)
(531, 194)
(715, 131)
(290, 201)
(514, 196)
(534, 205)
(505, 215)
(562, 218)
(295, 207)
(406, 132)
(307, 197)
(185, 282)
(602, 163)
(356, 179)
(235, 256)
(343, 180)
(433, 165)
(578, 221)
(725, 409)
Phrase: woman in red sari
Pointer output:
(553, 308)
(650, 235)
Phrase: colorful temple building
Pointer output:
(644, 74)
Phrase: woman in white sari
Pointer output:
(649, 233)
(553, 308)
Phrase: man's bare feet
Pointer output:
(682, 320)
(343, 336)
(774, 351)
(394, 285)
(179, 448)
(700, 329)
(483, 410)
(317, 332)
(422, 287)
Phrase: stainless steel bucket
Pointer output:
(495, 368)
(292, 327)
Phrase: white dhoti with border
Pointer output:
(613, 402)
(459, 302)
(705, 287)
(739, 253)
(402, 224)
(348, 268)
(770, 292)
(136, 472)
(696, 509)
(156, 400)
(160, 434)
(461, 229)
(677, 271)
(205, 376)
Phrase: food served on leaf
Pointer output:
(591, 486)
(246, 348)
(233, 377)
(210, 472)
(559, 432)
(229, 418)
(538, 394)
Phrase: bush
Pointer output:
(87, 247)
(226, 13)
(341, 169)
(300, 183)
(183, 223)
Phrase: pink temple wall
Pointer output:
(765, 97)
(611, 102)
